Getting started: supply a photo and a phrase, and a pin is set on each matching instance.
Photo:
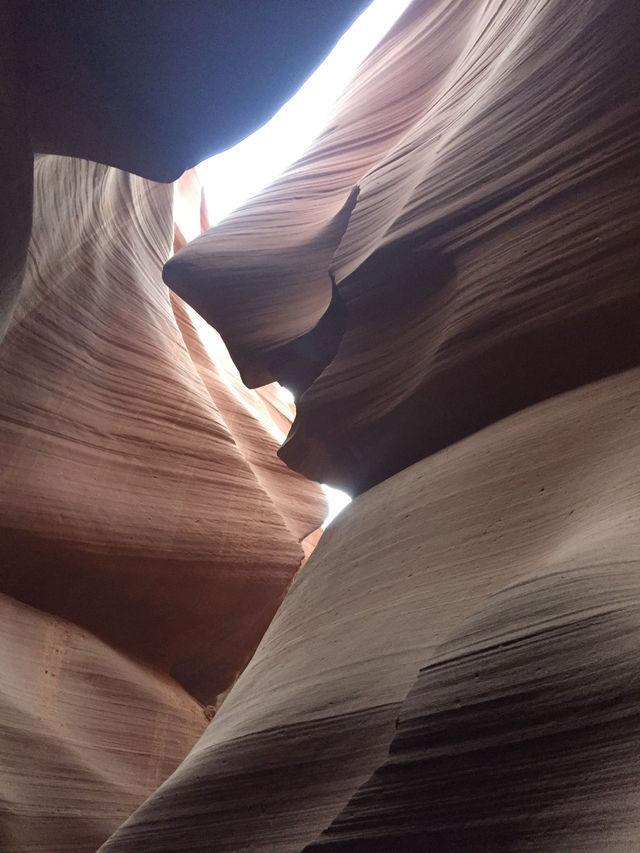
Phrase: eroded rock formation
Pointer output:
(149, 86)
(531, 709)
(491, 259)
(87, 733)
(142, 500)
(450, 280)
(487, 160)
(546, 500)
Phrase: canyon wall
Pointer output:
(142, 501)
(86, 731)
(449, 280)
(150, 86)
(486, 158)
(502, 573)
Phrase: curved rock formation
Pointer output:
(450, 279)
(258, 420)
(154, 86)
(142, 499)
(149, 86)
(87, 733)
(550, 491)
(492, 258)
(522, 733)
(131, 470)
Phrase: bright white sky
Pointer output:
(232, 177)
(239, 173)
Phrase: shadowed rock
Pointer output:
(502, 138)
(522, 733)
(549, 492)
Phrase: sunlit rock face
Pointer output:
(491, 255)
(450, 280)
(142, 500)
(466, 230)
(505, 567)
(539, 686)
(128, 506)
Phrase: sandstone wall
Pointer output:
(487, 158)
(504, 570)
(142, 501)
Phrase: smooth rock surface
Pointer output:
(299, 502)
(552, 491)
(132, 503)
(86, 733)
(155, 86)
(492, 257)
(451, 278)
(522, 733)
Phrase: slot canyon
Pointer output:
(448, 281)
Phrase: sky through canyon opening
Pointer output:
(239, 173)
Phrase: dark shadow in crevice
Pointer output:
(398, 286)
(298, 364)
(397, 280)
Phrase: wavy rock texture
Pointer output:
(450, 277)
(126, 497)
(87, 733)
(522, 733)
(142, 499)
(549, 494)
(298, 501)
(149, 86)
(491, 259)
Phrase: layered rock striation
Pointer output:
(142, 501)
(450, 282)
(126, 497)
(487, 159)
(151, 86)
(511, 555)
(87, 733)
(522, 732)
